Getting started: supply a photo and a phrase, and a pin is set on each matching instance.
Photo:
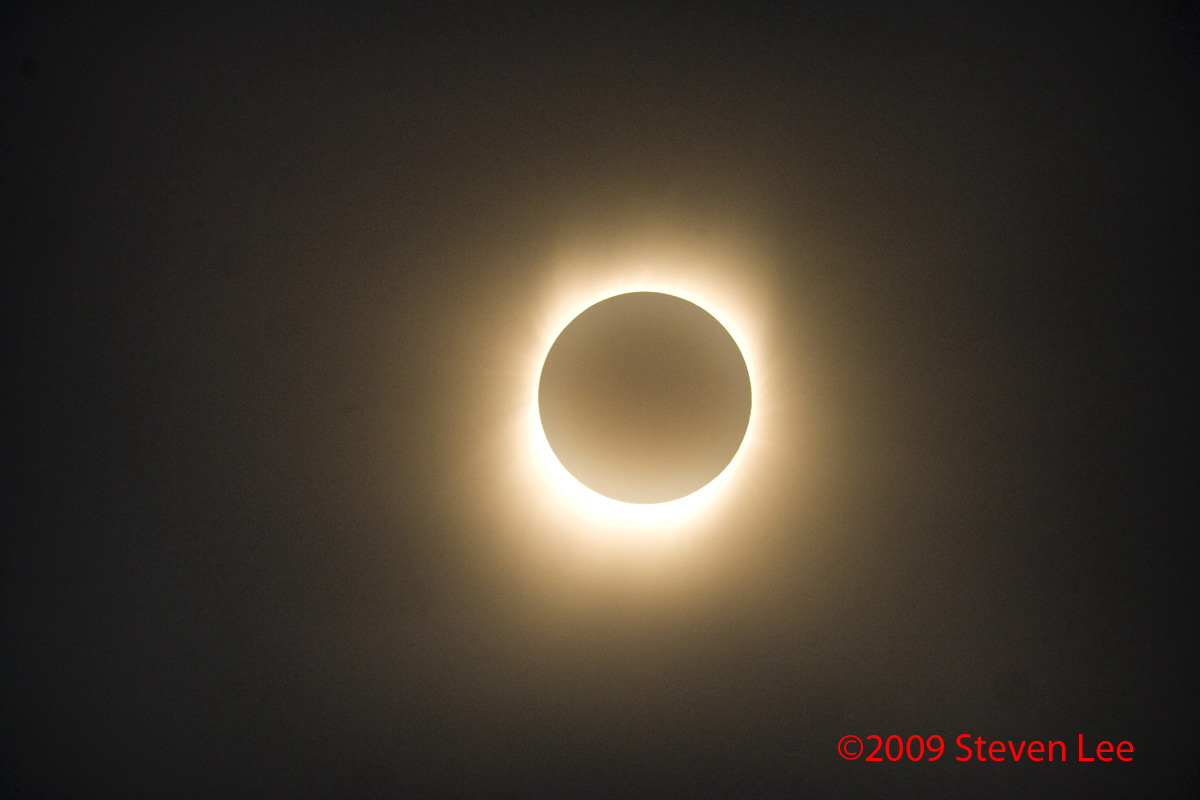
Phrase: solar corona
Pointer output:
(642, 406)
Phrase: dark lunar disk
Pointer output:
(644, 397)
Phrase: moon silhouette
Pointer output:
(644, 397)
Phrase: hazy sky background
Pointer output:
(271, 261)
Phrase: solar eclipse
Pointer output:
(645, 388)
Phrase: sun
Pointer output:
(716, 294)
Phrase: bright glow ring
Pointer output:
(598, 507)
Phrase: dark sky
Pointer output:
(265, 262)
